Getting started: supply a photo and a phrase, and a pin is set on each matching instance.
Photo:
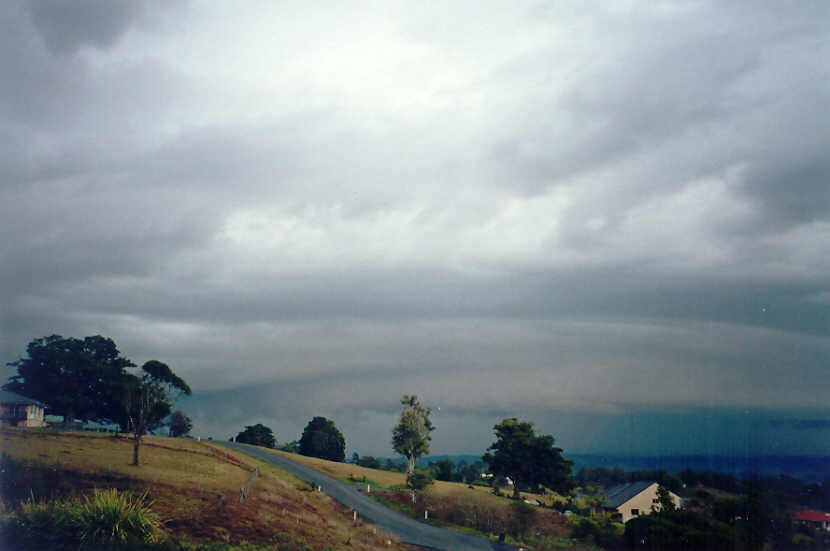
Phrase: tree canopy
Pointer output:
(321, 438)
(258, 435)
(411, 436)
(76, 378)
(180, 424)
(526, 458)
(148, 399)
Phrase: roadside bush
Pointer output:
(600, 530)
(521, 518)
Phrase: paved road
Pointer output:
(407, 529)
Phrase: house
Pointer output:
(20, 411)
(634, 499)
(815, 519)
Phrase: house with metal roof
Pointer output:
(20, 411)
(815, 519)
(634, 499)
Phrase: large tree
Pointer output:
(526, 458)
(75, 378)
(258, 435)
(411, 435)
(148, 400)
(321, 438)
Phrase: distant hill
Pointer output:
(808, 468)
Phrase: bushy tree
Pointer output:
(419, 480)
(443, 469)
(258, 435)
(411, 436)
(369, 461)
(321, 438)
(526, 458)
(521, 518)
(76, 378)
(180, 424)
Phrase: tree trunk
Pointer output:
(136, 444)
(410, 465)
(516, 494)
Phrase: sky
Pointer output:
(611, 219)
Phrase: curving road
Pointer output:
(407, 529)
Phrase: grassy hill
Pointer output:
(193, 486)
(470, 508)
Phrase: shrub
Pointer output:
(521, 518)
(109, 519)
(105, 520)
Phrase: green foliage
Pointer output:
(321, 438)
(600, 530)
(419, 480)
(521, 518)
(290, 447)
(411, 436)
(111, 519)
(443, 470)
(258, 435)
(75, 378)
(529, 460)
(180, 424)
(664, 500)
(679, 530)
(105, 520)
(369, 461)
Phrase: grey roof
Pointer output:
(7, 397)
(618, 495)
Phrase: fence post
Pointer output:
(243, 491)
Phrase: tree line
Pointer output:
(89, 379)
(528, 459)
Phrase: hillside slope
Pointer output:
(193, 486)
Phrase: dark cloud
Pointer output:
(617, 220)
(67, 26)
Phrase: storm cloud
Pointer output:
(591, 217)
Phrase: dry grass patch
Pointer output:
(343, 471)
(194, 488)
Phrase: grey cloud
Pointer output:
(619, 226)
(68, 26)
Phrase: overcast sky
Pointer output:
(610, 219)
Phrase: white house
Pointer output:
(634, 499)
(20, 411)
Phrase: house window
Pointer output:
(635, 512)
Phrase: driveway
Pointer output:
(407, 529)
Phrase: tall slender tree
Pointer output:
(411, 436)
(148, 398)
